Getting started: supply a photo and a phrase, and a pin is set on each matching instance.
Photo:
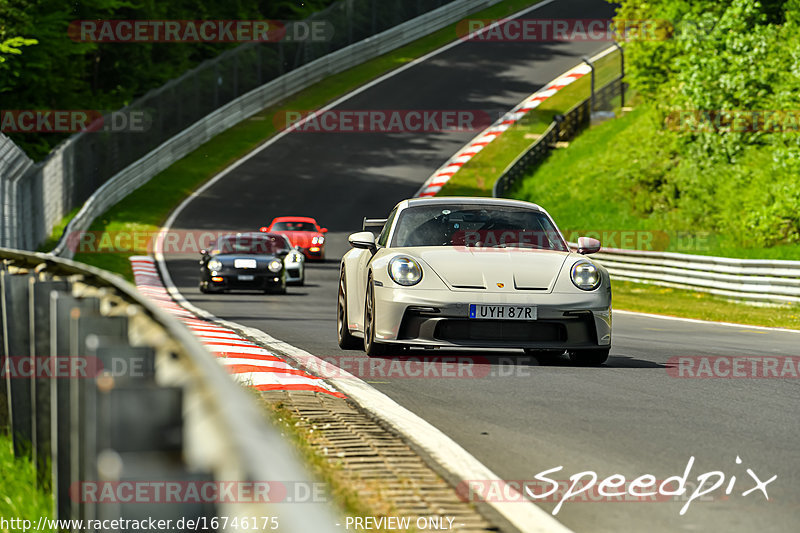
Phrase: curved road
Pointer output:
(628, 417)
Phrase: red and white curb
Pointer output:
(434, 184)
(248, 362)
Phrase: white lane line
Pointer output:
(706, 322)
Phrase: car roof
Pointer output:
(293, 219)
(469, 200)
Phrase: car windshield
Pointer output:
(250, 245)
(294, 226)
(476, 226)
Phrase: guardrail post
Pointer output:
(120, 363)
(40, 386)
(591, 66)
(4, 405)
(61, 307)
(84, 325)
(141, 439)
(19, 367)
(621, 73)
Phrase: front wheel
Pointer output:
(592, 357)
(373, 348)
(345, 339)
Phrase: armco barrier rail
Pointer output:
(753, 280)
(104, 387)
(97, 170)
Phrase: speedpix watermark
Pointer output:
(382, 120)
(584, 486)
(199, 31)
(733, 367)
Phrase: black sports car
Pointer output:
(246, 261)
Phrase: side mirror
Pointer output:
(587, 245)
(203, 252)
(364, 240)
(297, 247)
(323, 230)
(263, 229)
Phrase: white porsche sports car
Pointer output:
(473, 272)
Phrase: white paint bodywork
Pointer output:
(456, 276)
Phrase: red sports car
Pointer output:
(303, 232)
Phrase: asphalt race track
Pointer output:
(629, 417)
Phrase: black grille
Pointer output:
(500, 330)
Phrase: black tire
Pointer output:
(545, 357)
(373, 348)
(345, 339)
(591, 357)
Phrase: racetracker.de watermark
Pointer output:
(73, 367)
(646, 240)
(205, 491)
(199, 31)
(734, 121)
(383, 120)
(73, 121)
(563, 30)
(421, 367)
(734, 367)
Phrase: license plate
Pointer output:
(244, 263)
(502, 312)
(246, 277)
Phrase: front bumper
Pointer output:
(233, 281)
(564, 321)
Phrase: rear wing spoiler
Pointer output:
(375, 225)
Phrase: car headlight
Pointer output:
(317, 240)
(585, 276)
(293, 258)
(405, 271)
(275, 266)
(215, 264)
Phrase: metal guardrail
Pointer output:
(752, 280)
(101, 385)
(564, 128)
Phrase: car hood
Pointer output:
(228, 260)
(495, 269)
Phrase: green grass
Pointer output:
(690, 304)
(20, 498)
(478, 175)
(586, 190)
(148, 207)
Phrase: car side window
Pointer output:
(387, 227)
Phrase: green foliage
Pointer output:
(730, 56)
(59, 73)
(21, 498)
